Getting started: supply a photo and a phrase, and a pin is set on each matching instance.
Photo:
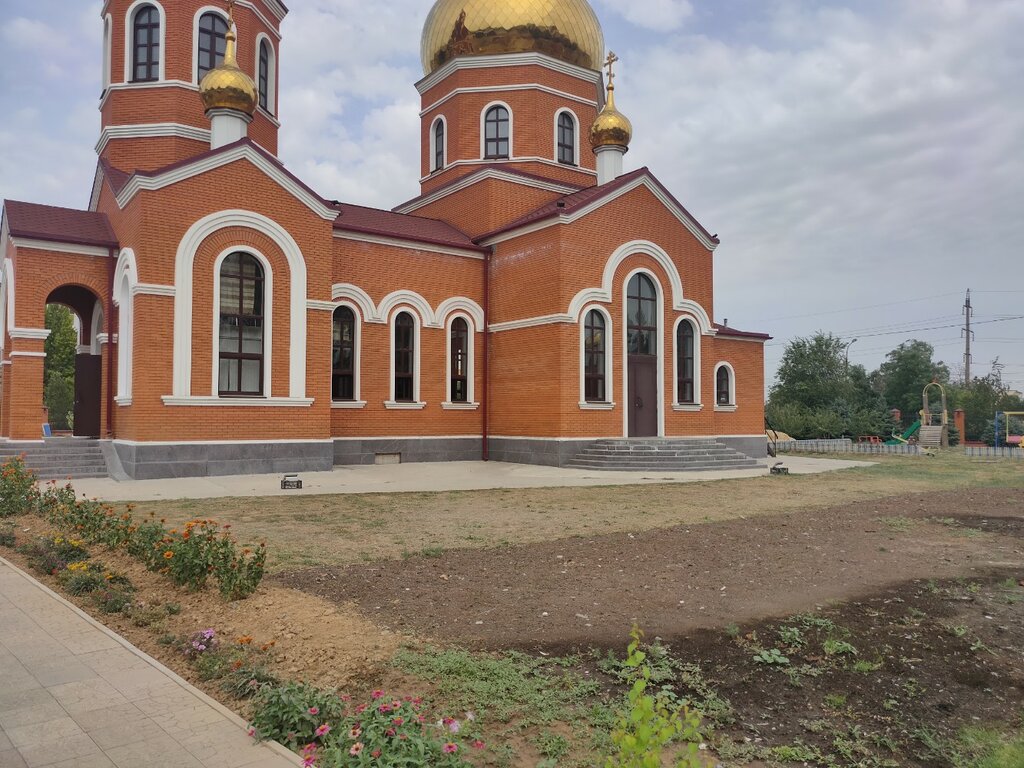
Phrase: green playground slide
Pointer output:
(906, 435)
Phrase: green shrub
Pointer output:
(7, 537)
(18, 490)
(247, 680)
(81, 578)
(292, 712)
(52, 554)
(110, 600)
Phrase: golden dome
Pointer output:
(563, 29)
(227, 86)
(611, 128)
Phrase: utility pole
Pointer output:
(968, 313)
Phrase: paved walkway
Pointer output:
(75, 695)
(423, 477)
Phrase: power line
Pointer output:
(866, 306)
(938, 327)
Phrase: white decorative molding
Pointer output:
(96, 328)
(519, 159)
(508, 60)
(151, 130)
(460, 304)
(432, 157)
(725, 408)
(115, 87)
(609, 354)
(430, 318)
(125, 281)
(102, 338)
(504, 88)
(123, 402)
(108, 34)
(449, 317)
(697, 377)
(28, 354)
(394, 405)
(239, 402)
(415, 245)
(530, 322)
(731, 405)
(511, 130)
(641, 181)
(687, 407)
(575, 138)
(488, 172)
(203, 10)
(271, 76)
(274, 7)
(40, 334)
(152, 289)
(183, 280)
(585, 406)
(58, 247)
(268, 318)
(274, 171)
(447, 406)
(320, 306)
(417, 348)
(129, 42)
(345, 405)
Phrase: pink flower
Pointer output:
(389, 732)
(252, 731)
(314, 710)
(323, 730)
(360, 708)
(355, 733)
(450, 749)
(375, 753)
(454, 726)
(356, 749)
(384, 708)
(377, 694)
(397, 720)
(309, 756)
(478, 744)
(345, 697)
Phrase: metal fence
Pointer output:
(985, 452)
(845, 445)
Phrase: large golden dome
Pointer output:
(564, 29)
(227, 86)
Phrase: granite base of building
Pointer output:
(144, 461)
(558, 453)
(754, 446)
(384, 450)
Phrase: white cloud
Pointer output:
(661, 15)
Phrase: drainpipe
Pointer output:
(486, 452)
(111, 267)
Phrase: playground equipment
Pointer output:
(1004, 416)
(905, 437)
(934, 435)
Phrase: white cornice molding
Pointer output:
(517, 160)
(139, 183)
(568, 218)
(508, 60)
(275, 8)
(40, 334)
(430, 318)
(348, 405)
(414, 245)
(731, 337)
(498, 88)
(59, 247)
(152, 289)
(28, 354)
(483, 175)
(114, 87)
(239, 402)
(151, 130)
(531, 322)
(321, 306)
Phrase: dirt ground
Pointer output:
(589, 590)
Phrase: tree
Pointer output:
(813, 372)
(59, 366)
(60, 400)
(903, 376)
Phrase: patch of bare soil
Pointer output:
(588, 591)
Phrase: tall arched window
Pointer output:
(242, 309)
(641, 316)
(264, 83)
(146, 45)
(496, 133)
(685, 391)
(343, 355)
(594, 351)
(439, 144)
(213, 31)
(405, 358)
(566, 139)
(723, 386)
(460, 361)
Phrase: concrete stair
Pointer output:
(661, 454)
(59, 458)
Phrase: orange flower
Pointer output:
(168, 555)
(244, 640)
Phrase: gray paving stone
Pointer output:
(11, 758)
(159, 752)
(40, 709)
(70, 748)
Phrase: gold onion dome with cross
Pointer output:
(611, 128)
(563, 29)
(227, 86)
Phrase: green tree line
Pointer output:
(59, 366)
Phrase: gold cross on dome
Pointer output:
(231, 12)
(612, 58)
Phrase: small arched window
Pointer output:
(405, 358)
(146, 45)
(496, 133)
(594, 351)
(213, 31)
(264, 84)
(685, 391)
(439, 144)
(242, 310)
(460, 361)
(566, 139)
(343, 355)
(641, 316)
(723, 386)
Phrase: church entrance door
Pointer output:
(643, 396)
(642, 349)
(88, 381)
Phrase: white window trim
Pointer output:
(660, 291)
(108, 47)
(125, 299)
(732, 388)
(129, 42)
(433, 144)
(609, 369)
(576, 137)
(471, 403)
(511, 131)
(95, 329)
(417, 345)
(696, 405)
(271, 72)
(195, 36)
(268, 325)
(357, 340)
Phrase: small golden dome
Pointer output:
(563, 29)
(611, 128)
(227, 86)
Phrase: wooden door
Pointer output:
(88, 373)
(643, 396)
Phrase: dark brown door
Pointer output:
(88, 373)
(643, 396)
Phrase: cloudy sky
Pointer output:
(862, 161)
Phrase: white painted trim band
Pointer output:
(239, 402)
(30, 333)
(486, 173)
(500, 88)
(152, 130)
(58, 247)
(515, 159)
(508, 60)
(415, 245)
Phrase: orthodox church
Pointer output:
(533, 299)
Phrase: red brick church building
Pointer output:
(532, 299)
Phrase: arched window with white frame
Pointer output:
(438, 146)
(459, 389)
(496, 132)
(595, 357)
(687, 365)
(266, 74)
(345, 356)
(242, 334)
(566, 138)
(725, 387)
(405, 360)
(145, 38)
(210, 43)
(124, 341)
(108, 27)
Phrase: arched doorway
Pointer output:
(82, 364)
(642, 350)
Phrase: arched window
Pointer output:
(641, 316)
(438, 144)
(405, 358)
(242, 309)
(264, 84)
(566, 139)
(723, 386)
(213, 31)
(594, 351)
(496, 133)
(107, 32)
(460, 361)
(146, 45)
(343, 355)
(685, 390)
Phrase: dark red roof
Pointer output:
(724, 330)
(114, 176)
(569, 203)
(62, 225)
(512, 171)
(374, 221)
